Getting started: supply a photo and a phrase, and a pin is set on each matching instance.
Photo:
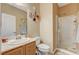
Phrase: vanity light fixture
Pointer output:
(35, 15)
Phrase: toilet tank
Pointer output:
(37, 40)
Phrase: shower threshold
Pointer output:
(60, 51)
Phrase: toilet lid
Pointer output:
(43, 46)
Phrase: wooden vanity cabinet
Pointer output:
(28, 49)
(16, 51)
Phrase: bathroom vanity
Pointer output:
(12, 26)
(28, 48)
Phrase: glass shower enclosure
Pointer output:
(68, 33)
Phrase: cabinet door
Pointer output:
(17, 51)
(27, 50)
(31, 48)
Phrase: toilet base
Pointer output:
(42, 53)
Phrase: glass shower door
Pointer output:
(66, 30)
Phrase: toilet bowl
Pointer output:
(42, 47)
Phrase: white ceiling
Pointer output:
(62, 4)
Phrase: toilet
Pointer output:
(43, 49)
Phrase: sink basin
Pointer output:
(19, 41)
(14, 43)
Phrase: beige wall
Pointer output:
(68, 9)
(33, 28)
(0, 16)
(0, 7)
(55, 15)
(46, 24)
(0, 24)
(16, 12)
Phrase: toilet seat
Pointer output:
(43, 47)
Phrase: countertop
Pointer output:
(6, 47)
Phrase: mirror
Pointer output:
(13, 22)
